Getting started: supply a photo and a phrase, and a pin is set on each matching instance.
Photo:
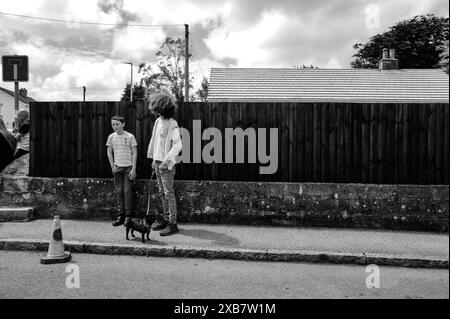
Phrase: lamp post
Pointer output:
(131, 84)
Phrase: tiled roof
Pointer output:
(25, 100)
(329, 85)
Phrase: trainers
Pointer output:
(159, 225)
(119, 221)
(169, 230)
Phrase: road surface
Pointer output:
(101, 276)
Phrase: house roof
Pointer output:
(329, 85)
(25, 100)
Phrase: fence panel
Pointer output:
(317, 142)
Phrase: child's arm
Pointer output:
(151, 145)
(177, 146)
(133, 169)
(23, 129)
(111, 157)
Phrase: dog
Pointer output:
(142, 226)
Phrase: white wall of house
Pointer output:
(7, 109)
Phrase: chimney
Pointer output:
(392, 54)
(23, 92)
(388, 62)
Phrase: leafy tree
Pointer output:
(140, 93)
(202, 92)
(444, 57)
(168, 73)
(418, 43)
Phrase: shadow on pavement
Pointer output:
(218, 238)
(148, 242)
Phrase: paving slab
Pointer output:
(409, 249)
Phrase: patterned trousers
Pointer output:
(166, 193)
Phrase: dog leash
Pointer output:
(148, 193)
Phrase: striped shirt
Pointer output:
(122, 145)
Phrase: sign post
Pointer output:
(15, 69)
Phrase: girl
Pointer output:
(165, 144)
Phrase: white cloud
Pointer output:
(248, 46)
(137, 43)
(21, 6)
(59, 74)
(103, 79)
(177, 12)
(258, 33)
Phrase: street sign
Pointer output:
(15, 68)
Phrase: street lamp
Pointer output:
(131, 84)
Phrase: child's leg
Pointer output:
(161, 195)
(118, 187)
(167, 177)
(128, 192)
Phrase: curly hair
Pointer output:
(164, 104)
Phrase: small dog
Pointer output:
(140, 225)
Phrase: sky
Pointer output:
(65, 56)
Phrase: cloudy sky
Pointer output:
(66, 56)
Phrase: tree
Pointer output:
(444, 57)
(202, 92)
(168, 73)
(418, 43)
(140, 92)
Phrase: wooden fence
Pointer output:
(317, 142)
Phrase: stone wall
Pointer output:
(402, 207)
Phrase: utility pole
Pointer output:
(186, 61)
(84, 94)
(16, 94)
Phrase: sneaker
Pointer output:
(169, 230)
(159, 225)
(119, 221)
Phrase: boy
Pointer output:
(122, 156)
(165, 144)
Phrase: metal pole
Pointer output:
(16, 96)
(186, 75)
(131, 85)
(84, 94)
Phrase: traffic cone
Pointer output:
(56, 253)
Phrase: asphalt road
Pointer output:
(22, 276)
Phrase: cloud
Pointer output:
(117, 7)
(251, 33)
(322, 33)
(58, 73)
(137, 44)
(248, 46)
(105, 80)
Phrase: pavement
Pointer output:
(258, 243)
